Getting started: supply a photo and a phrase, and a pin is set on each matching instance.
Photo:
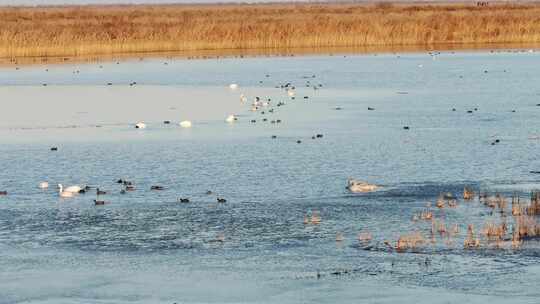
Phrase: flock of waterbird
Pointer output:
(501, 235)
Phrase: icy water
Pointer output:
(145, 247)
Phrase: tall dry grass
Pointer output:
(77, 31)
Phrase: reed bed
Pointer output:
(91, 30)
(502, 230)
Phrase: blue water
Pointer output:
(145, 247)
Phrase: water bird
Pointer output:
(274, 136)
(98, 202)
(231, 118)
(43, 185)
(298, 141)
(221, 200)
(185, 124)
(166, 122)
(209, 192)
(319, 136)
(183, 200)
(157, 188)
(406, 128)
(100, 192)
(54, 148)
(356, 186)
(140, 125)
(340, 237)
(371, 109)
(233, 86)
(220, 238)
(129, 188)
(253, 121)
(65, 193)
(72, 189)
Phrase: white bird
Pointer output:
(360, 186)
(290, 93)
(72, 189)
(231, 118)
(185, 124)
(140, 125)
(43, 185)
(233, 86)
(68, 192)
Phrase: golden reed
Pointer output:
(94, 30)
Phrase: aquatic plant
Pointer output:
(468, 193)
(90, 30)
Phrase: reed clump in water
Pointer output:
(468, 193)
(87, 30)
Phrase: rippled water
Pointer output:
(144, 246)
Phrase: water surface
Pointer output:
(145, 247)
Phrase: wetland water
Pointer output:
(145, 247)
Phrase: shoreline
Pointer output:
(269, 53)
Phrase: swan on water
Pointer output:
(360, 186)
(140, 125)
(72, 189)
(67, 192)
(185, 124)
(233, 86)
(43, 185)
(230, 118)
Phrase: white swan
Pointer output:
(43, 185)
(233, 86)
(360, 186)
(230, 118)
(72, 189)
(65, 193)
(290, 93)
(185, 124)
(140, 125)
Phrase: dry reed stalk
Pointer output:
(468, 193)
(471, 241)
(87, 30)
(364, 236)
(409, 241)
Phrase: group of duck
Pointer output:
(74, 190)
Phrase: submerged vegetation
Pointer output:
(91, 30)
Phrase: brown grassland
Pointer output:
(102, 30)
